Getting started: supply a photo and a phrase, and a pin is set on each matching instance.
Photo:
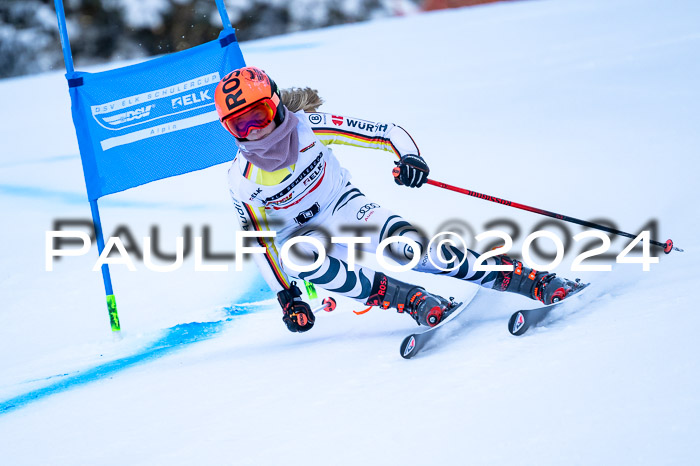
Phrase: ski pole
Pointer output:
(668, 245)
(328, 305)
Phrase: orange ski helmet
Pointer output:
(240, 91)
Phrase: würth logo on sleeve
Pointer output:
(337, 120)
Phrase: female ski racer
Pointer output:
(286, 179)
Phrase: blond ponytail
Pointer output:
(296, 99)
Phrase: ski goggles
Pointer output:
(257, 116)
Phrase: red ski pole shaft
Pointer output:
(668, 245)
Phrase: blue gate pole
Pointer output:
(63, 33)
(106, 278)
(223, 13)
(97, 224)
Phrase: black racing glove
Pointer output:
(297, 314)
(411, 171)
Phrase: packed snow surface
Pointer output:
(586, 108)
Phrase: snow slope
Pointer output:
(584, 108)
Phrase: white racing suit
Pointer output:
(314, 197)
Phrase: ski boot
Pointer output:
(426, 308)
(542, 286)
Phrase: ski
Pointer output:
(522, 320)
(413, 343)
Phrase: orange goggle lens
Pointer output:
(257, 116)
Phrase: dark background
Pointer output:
(106, 30)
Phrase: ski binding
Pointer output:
(524, 319)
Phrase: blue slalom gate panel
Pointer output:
(153, 120)
(148, 121)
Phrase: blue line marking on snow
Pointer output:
(81, 199)
(44, 194)
(276, 48)
(174, 339)
(49, 377)
(40, 160)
